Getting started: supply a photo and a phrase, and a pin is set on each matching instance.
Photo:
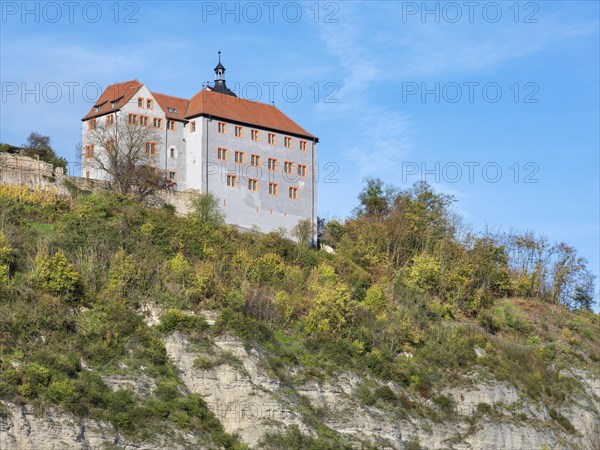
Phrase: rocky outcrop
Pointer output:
(246, 401)
(23, 428)
(250, 402)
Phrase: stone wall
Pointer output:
(36, 174)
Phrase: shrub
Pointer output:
(175, 319)
(562, 420)
(203, 363)
(57, 276)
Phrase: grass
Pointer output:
(45, 229)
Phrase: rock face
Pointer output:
(246, 401)
(238, 389)
(249, 402)
(22, 428)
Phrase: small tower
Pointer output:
(220, 86)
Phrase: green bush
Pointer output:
(176, 320)
(57, 276)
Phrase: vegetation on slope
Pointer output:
(37, 146)
(408, 297)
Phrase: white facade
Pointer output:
(188, 153)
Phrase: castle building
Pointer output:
(259, 163)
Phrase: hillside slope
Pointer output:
(123, 326)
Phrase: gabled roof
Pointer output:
(174, 107)
(118, 93)
(210, 103)
(204, 103)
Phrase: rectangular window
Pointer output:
(89, 151)
(140, 102)
(149, 103)
(272, 139)
(287, 142)
(110, 146)
(222, 128)
(255, 160)
(272, 164)
(172, 175)
(231, 180)
(110, 119)
(151, 148)
(92, 124)
(302, 170)
(239, 157)
(288, 167)
(171, 125)
(252, 184)
(144, 121)
(192, 126)
(132, 119)
(222, 154)
(303, 145)
(239, 132)
(293, 193)
(273, 189)
(172, 152)
(157, 123)
(255, 135)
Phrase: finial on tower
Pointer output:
(220, 85)
(219, 69)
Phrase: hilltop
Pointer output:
(126, 326)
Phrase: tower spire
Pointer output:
(220, 85)
(219, 70)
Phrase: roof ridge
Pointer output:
(172, 96)
(238, 98)
(135, 80)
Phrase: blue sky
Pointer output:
(354, 74)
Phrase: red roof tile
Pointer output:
(207, 102)
(120, 93)
(167, 102)
(204, 103)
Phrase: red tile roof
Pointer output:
(120, 93)
(204, 103)
(207, 102)
(167, 102)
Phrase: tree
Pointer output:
(303, 232)
(583, 297)
(375, 198)
(205, 207)
(127, 153)
(39, 146)
(566, 271)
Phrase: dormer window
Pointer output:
(174, 111)
(170, 110)
(97, 108)
(113, 105)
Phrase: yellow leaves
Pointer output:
(569, 337)
(121, 274)
(56, 275)
(181, 269)
(375, 299)
(3, 274)
(147, 229)
(425, 272)
(291, 306)
(330, 307)
(6, 257)
(24, 194)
